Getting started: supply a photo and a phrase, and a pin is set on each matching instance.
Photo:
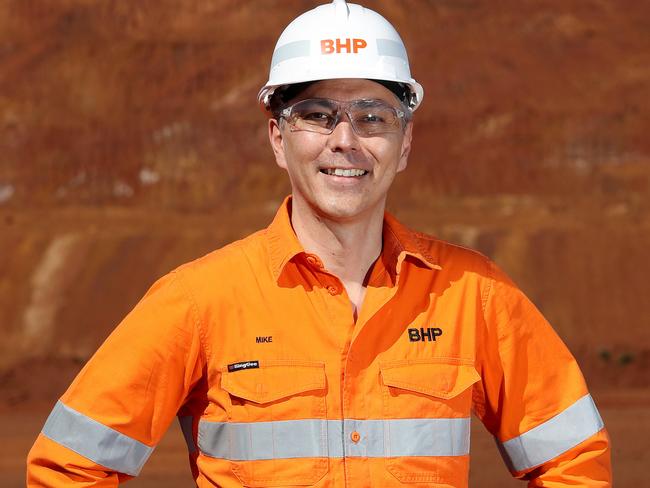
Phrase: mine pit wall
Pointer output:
(67, 278)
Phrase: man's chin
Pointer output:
(345, 210)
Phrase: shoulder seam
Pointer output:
(488, 288)
(205, 351)
(438, 240)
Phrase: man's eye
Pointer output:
(371, 118)
(316, 116)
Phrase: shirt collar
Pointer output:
(398, 243)
(282, 240)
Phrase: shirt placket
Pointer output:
(357, 441)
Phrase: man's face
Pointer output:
(310, 158)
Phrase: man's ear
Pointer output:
(277, 142)
(406, 147)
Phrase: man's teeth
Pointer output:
(344, 172)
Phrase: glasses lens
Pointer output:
(316, 115)
(373, 117)
(368, 117)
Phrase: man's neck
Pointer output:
(347, 248)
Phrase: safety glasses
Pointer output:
(367, 117)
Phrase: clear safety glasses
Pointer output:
(367, 117)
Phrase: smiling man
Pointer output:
(342, 142)
(336, 348)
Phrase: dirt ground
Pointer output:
(626, 415)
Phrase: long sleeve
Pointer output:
(533, 397)
(107, 423)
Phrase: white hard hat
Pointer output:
(340, 40)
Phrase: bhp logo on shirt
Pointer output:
(422, 334)
(331, 46)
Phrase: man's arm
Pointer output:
(107, 423)
(533, 397)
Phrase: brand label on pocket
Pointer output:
(243, 365)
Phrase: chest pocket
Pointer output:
(277, 423)
(427, 405)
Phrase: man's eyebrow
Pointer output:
(321, 101)
(373, 101)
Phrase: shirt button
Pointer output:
(314, 261)
(333, 290)
(355, 436)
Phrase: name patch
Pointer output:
(243, 365)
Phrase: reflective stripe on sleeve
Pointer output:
(95, 441)
(332, 438)
(555, 436)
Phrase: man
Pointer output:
(336, 347)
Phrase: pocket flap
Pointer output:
(439, 378)
(274, 380)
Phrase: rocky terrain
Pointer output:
(130, 142)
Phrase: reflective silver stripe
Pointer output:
(557, 435)
(298, 49)
(95, 441)
(263, 440)
(186, 427)
(290, 50)
(335, 435)
(332, 438)
(388, 47)
(428, 437)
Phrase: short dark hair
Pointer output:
(283, 95)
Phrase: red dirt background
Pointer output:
(130, 142)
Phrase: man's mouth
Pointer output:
(347, 173)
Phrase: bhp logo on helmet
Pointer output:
(331, 46)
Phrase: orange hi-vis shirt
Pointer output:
(255, 348)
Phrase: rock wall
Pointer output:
(130, 141)
(153, 103)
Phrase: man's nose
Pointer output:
(343, 138)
